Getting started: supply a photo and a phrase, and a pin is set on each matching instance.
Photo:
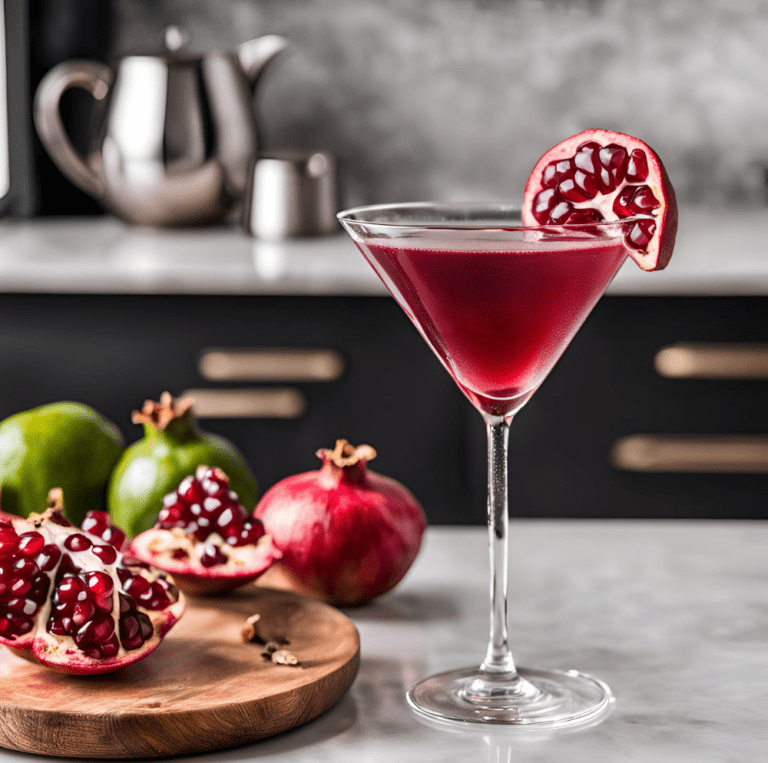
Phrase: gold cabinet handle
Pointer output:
(713, 360)
(267, 364)
(268, 403)
(737, 454)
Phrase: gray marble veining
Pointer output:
(673, 615)
(459, 98)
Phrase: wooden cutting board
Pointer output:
(201, 690)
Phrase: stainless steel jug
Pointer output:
(176, 134)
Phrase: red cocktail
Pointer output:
(499, 316)
(498, 303)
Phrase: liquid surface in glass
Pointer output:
(500, 316)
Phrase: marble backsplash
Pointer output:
(454, 99)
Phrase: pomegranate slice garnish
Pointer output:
(600, 175)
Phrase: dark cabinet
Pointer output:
(113, 351)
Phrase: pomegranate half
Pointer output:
(346, 533)
(205, 538)
(69, 598)
(598, 175)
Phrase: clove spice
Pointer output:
(272, 651)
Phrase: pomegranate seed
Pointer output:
(127, 603)
(114, 536)
(129, 628)
(179, 553)
(20, 586)
(641, 234)
(6, 628)
(191, 490)
(49, 557)
(83, 611)
(643, 201)
(71, 589)
(96, 522)
(560, 213)
(8, 541)
(621, 204)
(21, 606)
(110, 647)
(145, 625)
(25, 567)
(212, 556)
(21, 625)
(584, 159)
(30, 543)
(40, 586)
(133, 643)
(107, 554)
(136, 586)
(77, 542)
(99, 583)
(637, 167)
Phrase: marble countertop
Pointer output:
(717, 253)
(672, 615)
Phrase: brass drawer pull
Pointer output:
(711, 360)
(271, 403)
(737, 454)
(271, 364)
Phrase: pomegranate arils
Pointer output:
(77, 542)
(30, 543)
(50, 567)
(212, 555)
(48, 557)
(204, 537)
(637, 168)
(572, 188)
(96, 522)
(107, 554)
(8, 541)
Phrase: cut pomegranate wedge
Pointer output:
(599, 175)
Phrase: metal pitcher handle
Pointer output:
(92, 76)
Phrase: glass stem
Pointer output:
(498, 659)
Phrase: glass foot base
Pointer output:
(542, 698)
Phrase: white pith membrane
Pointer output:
(60, 651)
(157, 546)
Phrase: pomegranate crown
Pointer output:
(160, 415)
(344, 454)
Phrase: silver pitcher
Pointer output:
(176, 134)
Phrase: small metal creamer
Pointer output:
(176, 133)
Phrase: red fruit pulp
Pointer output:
(499, 318)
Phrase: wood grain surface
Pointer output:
(203, 689)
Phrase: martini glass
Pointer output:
(498, 303)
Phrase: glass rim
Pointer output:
(350, 216)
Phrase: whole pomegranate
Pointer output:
(205, 537)
(347, 534)
(70, 600)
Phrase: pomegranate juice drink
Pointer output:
(498, 318)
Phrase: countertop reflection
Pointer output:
(672, 615)
(717, 253)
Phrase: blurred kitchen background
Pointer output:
(658, 409)
(458, 98)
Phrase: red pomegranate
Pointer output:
(70, 600)
(600, 175)
(347, 534)
(205, 538)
